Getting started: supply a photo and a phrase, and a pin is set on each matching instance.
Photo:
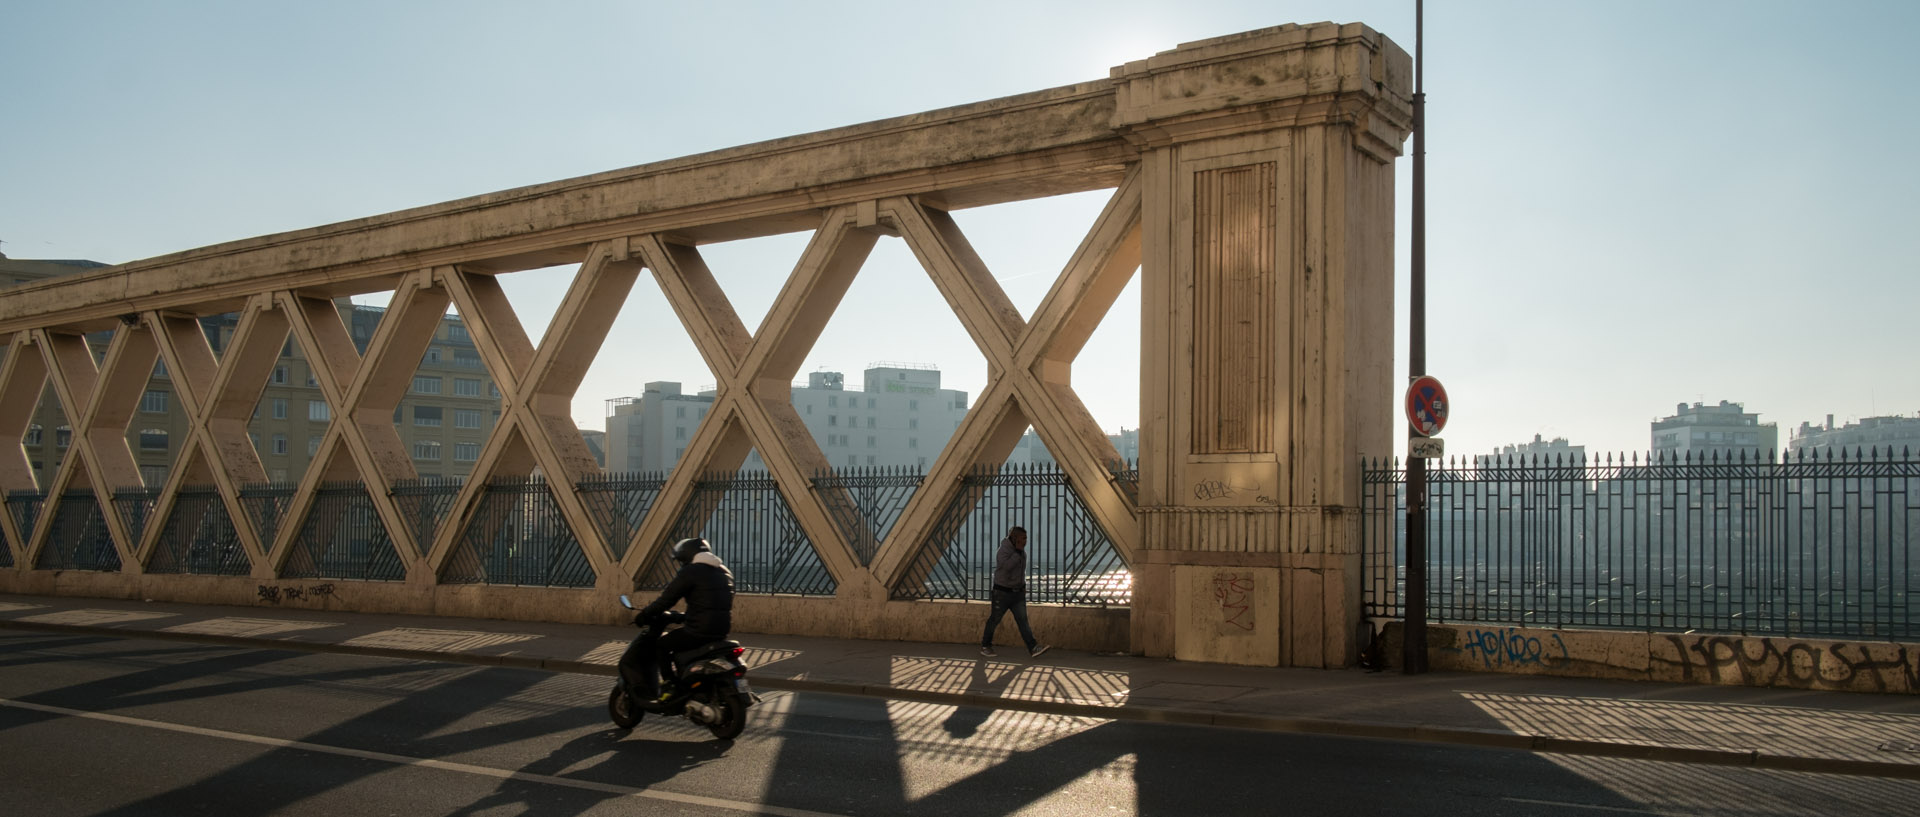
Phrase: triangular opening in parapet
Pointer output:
(342, 535)
(750, 525)
(198, 536)
(517, 534)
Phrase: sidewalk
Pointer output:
(1829, 732)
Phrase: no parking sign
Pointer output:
(1427, 406)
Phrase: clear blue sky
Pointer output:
(1631, 204)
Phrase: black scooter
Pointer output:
(711, 689)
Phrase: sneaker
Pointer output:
(1041, 650)
(988, 652)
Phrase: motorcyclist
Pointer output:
(707, 586)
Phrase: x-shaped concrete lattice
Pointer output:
(1029, 364)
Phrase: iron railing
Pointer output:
(266, 504)
(198, 536)
(865, 502)
(1070, 559)
(517, 535)
(618, 503)
(343, 538)
(135, 505)
(80, 539)
(1811, 546)
(425, 504)
(25, 507)
(753, 530)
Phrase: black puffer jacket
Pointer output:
(707, 586)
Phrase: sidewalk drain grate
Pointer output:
(1900, 746)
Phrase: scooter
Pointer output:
(711, 689)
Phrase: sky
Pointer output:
(1631, 204)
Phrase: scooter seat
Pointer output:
(708, 649)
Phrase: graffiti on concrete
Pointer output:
(1727, 659)
(274, 594)
(1511, 647)
(1234, 593)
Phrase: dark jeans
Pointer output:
(1003, 601)
(651, 655)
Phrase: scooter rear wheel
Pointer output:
(733, 716)
(623, 709)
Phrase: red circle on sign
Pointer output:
(1427, 406)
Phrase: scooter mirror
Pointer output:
(626, 602)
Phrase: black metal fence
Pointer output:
(754, 531)
(518, 536)
(1070, 559)
(80, 539)
(198, 536)
(424, 503)
(1810, 546)
(865, 502)
(343, 538)
(618, 502)
(25, 507)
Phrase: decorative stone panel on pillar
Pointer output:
(1266, 364)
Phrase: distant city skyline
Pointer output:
(1631, 205)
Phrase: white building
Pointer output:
(1725, 429)
(899, 416)
(1870, 434)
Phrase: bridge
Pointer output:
(1251, 189)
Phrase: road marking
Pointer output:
(1577, 805)
(425, 763)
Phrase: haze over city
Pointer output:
(1631, 204)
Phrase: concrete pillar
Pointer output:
(1266, 361)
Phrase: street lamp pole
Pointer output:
(1414, 633)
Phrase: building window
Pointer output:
(852, 460)
(467, 359)
(913, 442)
(317, 411)
(466, 452)
(870, 402)
(153, 439)
(311, 382)
(426, 449)
(466, 418)
(280, 375)
(869, 422)
(913, 424)
(869, 459)
(63, 436)
(279, 408)
(153, 476)
(458, 333)
(279, 443)
(679, 412)
(679, 432)
(427, 416)
(33, 434)
(433, 355)
(913, 405)
(493, 391)
(423, 384)
(833, 420)
(313, 446)
(833, 401)
(872, 441)
(154, 402)
(466, 387)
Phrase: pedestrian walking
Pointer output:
(1010, 593)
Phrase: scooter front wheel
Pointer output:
(623, 709)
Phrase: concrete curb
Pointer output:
(1376, 730)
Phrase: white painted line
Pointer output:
(1578, 805)
(425, 763)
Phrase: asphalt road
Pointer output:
(98, 726)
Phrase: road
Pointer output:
(99, 726)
